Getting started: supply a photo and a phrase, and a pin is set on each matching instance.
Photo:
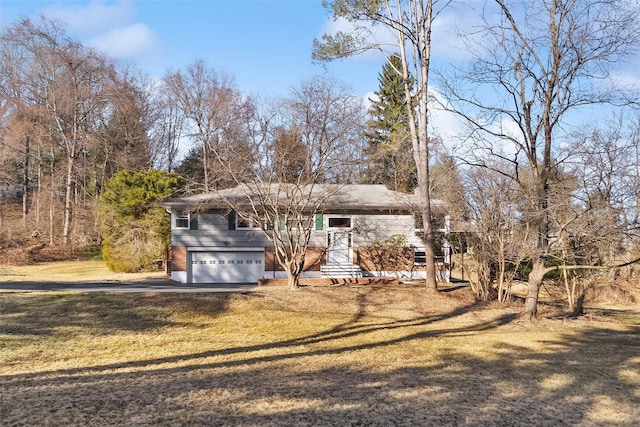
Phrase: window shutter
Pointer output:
(232, 220)
(319, 221)
(193, 221)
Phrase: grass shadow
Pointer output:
(365, 370)
(98, 312)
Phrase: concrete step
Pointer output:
(340, 270)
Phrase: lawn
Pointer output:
(70, 271)
(373, 356)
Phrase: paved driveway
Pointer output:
(116, 286)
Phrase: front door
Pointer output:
(339, 241)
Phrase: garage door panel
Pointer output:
(227, 267)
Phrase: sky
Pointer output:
(265, 44)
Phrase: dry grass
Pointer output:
(318, 356)
(69, 271)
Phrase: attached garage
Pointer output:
(226, 265)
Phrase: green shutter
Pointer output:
(232, 220)
(193, 221)
(319, 221)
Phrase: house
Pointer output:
(213, 242)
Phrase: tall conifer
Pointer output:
(389, 150)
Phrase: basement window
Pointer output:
(419, 256)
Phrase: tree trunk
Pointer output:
(25, 182)
(38, 192)
(427, 226)
(430, 266)
(535, 281)
(293, 269)
(293, 281)
(66, 227)
(52, 196)
(293, 277)
(205, 167)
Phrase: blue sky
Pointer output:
(265, 44)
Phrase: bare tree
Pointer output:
(502, 240)
(214, 112)
(300, 153)
(599, 231)
(69, 80)
(409, 23)
(122, 137)
(541, 61)
(165, 131)
(329, 120)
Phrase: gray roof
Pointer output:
(329, 196)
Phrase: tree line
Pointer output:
(541, 190)
(71, 118)
(543, 124)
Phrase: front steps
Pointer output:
(340, 271)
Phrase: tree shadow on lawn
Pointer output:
(578, 379)
(586, 377)
(101, 313)
(112, 319)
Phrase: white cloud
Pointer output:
(125, 42)
(623, 80)
(446, 40)
(108, 26)
(93, 17)
(378, 34)
(443, 123)
(450, 30)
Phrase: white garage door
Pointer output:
(227, 267)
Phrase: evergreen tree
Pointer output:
(390, 152)
(135, 230)
(190, 168)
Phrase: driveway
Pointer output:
(154, 285)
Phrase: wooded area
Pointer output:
(545, 174)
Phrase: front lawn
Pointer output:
(317, 356)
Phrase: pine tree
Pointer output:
(390, 153)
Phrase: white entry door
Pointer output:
(339, 235)
(339, 249)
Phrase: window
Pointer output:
(340, 222)
(181, 220)
(243, 224)
(305, 221)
